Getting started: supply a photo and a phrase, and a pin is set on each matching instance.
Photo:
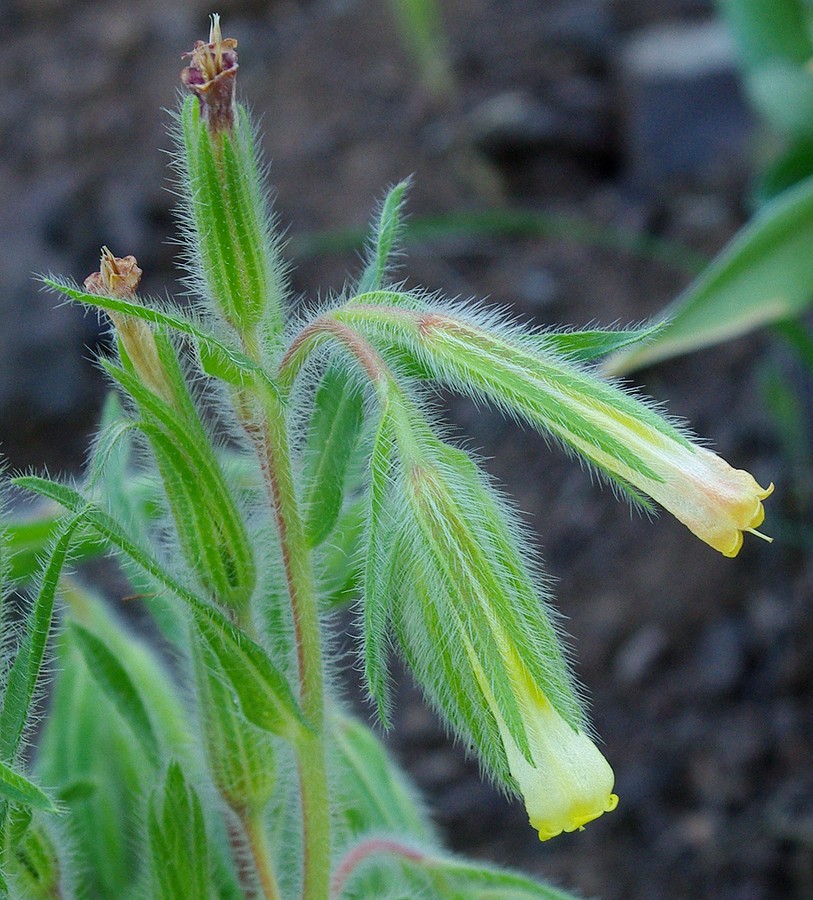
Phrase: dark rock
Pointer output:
(684, 113)
(517, 123)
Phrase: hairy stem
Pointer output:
(263, 864)
(271, 441)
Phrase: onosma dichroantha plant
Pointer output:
(238, 772)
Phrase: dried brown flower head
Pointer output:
(211, 76)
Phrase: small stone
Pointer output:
(684, 113)
(517, 122)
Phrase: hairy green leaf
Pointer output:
(263, 691)
(28, 540)
(209, 525)
(375, 794)
(16, 788)
(22, 679)
(241, 757)
(179, 852)
(586, 346)
(228, 357)
(386, 235)
(455, 878)
(381, 536)
(117, 685)
(332, 436)
(339, 561)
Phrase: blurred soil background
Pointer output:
(623, 113)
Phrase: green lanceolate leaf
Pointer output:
(381, 537)
(586, 346)
(332, 436)
(375, 795)
(229, 359)
(179, 852)
(34, 864)
(793, 165)
(209, 525)
(455, 879)
(22, 679)
(769, 29)
(16, 788)
(387, 233)
(764, 275)
(101, 775)
(775, 45)
(27, 541)
(339, 561)
(263, 691)
(241, 757)
(115, 681)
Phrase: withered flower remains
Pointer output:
(211, 75)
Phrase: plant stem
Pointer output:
(272, 446)
(258, 845)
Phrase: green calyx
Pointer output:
(234, 252)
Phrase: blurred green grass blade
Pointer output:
(332, 436)
(21, 682)
(16, 788)
(263, 691)
(421, 25)
(519, 223)
(764, 275)
(116, 684)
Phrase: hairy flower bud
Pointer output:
(639, 450)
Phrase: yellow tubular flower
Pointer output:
(715, 501)
(569, 783)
